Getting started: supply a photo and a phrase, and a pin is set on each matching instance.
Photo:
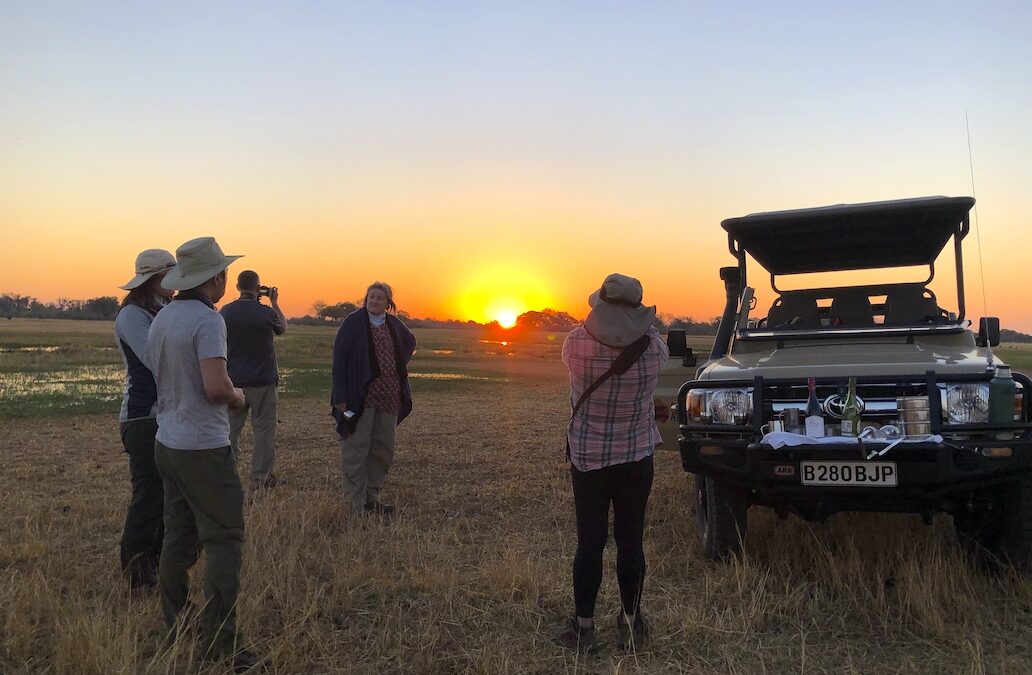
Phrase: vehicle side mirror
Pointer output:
(988, 332)
(677, 342)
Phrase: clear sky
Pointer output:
(487, 157)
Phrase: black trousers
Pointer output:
(144, 528)
(627, 486)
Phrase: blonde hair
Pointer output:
(386, 289)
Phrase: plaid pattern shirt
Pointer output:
(616, 424)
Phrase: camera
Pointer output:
(265, 290)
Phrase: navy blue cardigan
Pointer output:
(355, 366)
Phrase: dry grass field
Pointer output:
(473, 574)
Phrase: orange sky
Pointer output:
(334, 146)
(475, 262)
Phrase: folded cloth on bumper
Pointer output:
(778, 439)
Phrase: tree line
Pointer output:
(324, 313)
(105, 308)
(15, 305)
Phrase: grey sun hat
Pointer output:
(617, 317)
(148, 263)
(197, 261)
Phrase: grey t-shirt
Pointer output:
(182, 334)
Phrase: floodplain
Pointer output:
(474, 573)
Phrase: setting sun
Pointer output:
(506, 318)
(501, 293)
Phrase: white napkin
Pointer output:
(778, 439)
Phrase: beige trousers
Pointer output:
(261, 402)
(365, 457)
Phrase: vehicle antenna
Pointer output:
(978, 238)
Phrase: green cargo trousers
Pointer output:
(365, 457)
(204, 507)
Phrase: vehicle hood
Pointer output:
(845, 358)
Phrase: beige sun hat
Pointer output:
(148, 263)
(617, 317)
(197, 261)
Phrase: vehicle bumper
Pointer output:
(929, 475)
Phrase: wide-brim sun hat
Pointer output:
(197, 261)
(148, 263)
(617, 317)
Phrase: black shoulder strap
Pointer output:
(621, 364)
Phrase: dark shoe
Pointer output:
(573, 636)
(142, 580)
(269, 482)
(378, 509)
(248, 662)
(632, 639)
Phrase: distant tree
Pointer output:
(13, 304)
(546, 319)
(336, 312)
(105, 307)
(692, 326)
(1008, 335)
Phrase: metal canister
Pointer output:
(915, 416)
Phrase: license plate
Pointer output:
(860, 474)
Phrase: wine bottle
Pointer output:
(851, 412)
(814, 419)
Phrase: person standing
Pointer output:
(250, 327)
(614, 360)
(204, 500)
(143, 531)
(370, 396)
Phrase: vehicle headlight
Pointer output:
(720, 405)
(967, 403)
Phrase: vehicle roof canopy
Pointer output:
(874, 235)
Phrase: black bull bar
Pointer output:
(932, 471)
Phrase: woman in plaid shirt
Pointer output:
(611, 439)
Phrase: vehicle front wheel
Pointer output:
(996, 526)
(720, 517)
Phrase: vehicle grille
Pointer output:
(879, 399)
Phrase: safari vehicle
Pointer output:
(896, 341)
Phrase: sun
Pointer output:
(501, 292)
(506, 318)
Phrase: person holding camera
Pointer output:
(614, 360)
(251, 327)
(370, 396)
(143, 530)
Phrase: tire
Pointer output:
(998, 525)
(720, 518)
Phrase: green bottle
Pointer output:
(851, 412)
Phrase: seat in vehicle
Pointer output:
(908, 304)
(852, 309)
(794, 310)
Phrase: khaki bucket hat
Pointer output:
(617, 317)
(148, 263)
(197, 261)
